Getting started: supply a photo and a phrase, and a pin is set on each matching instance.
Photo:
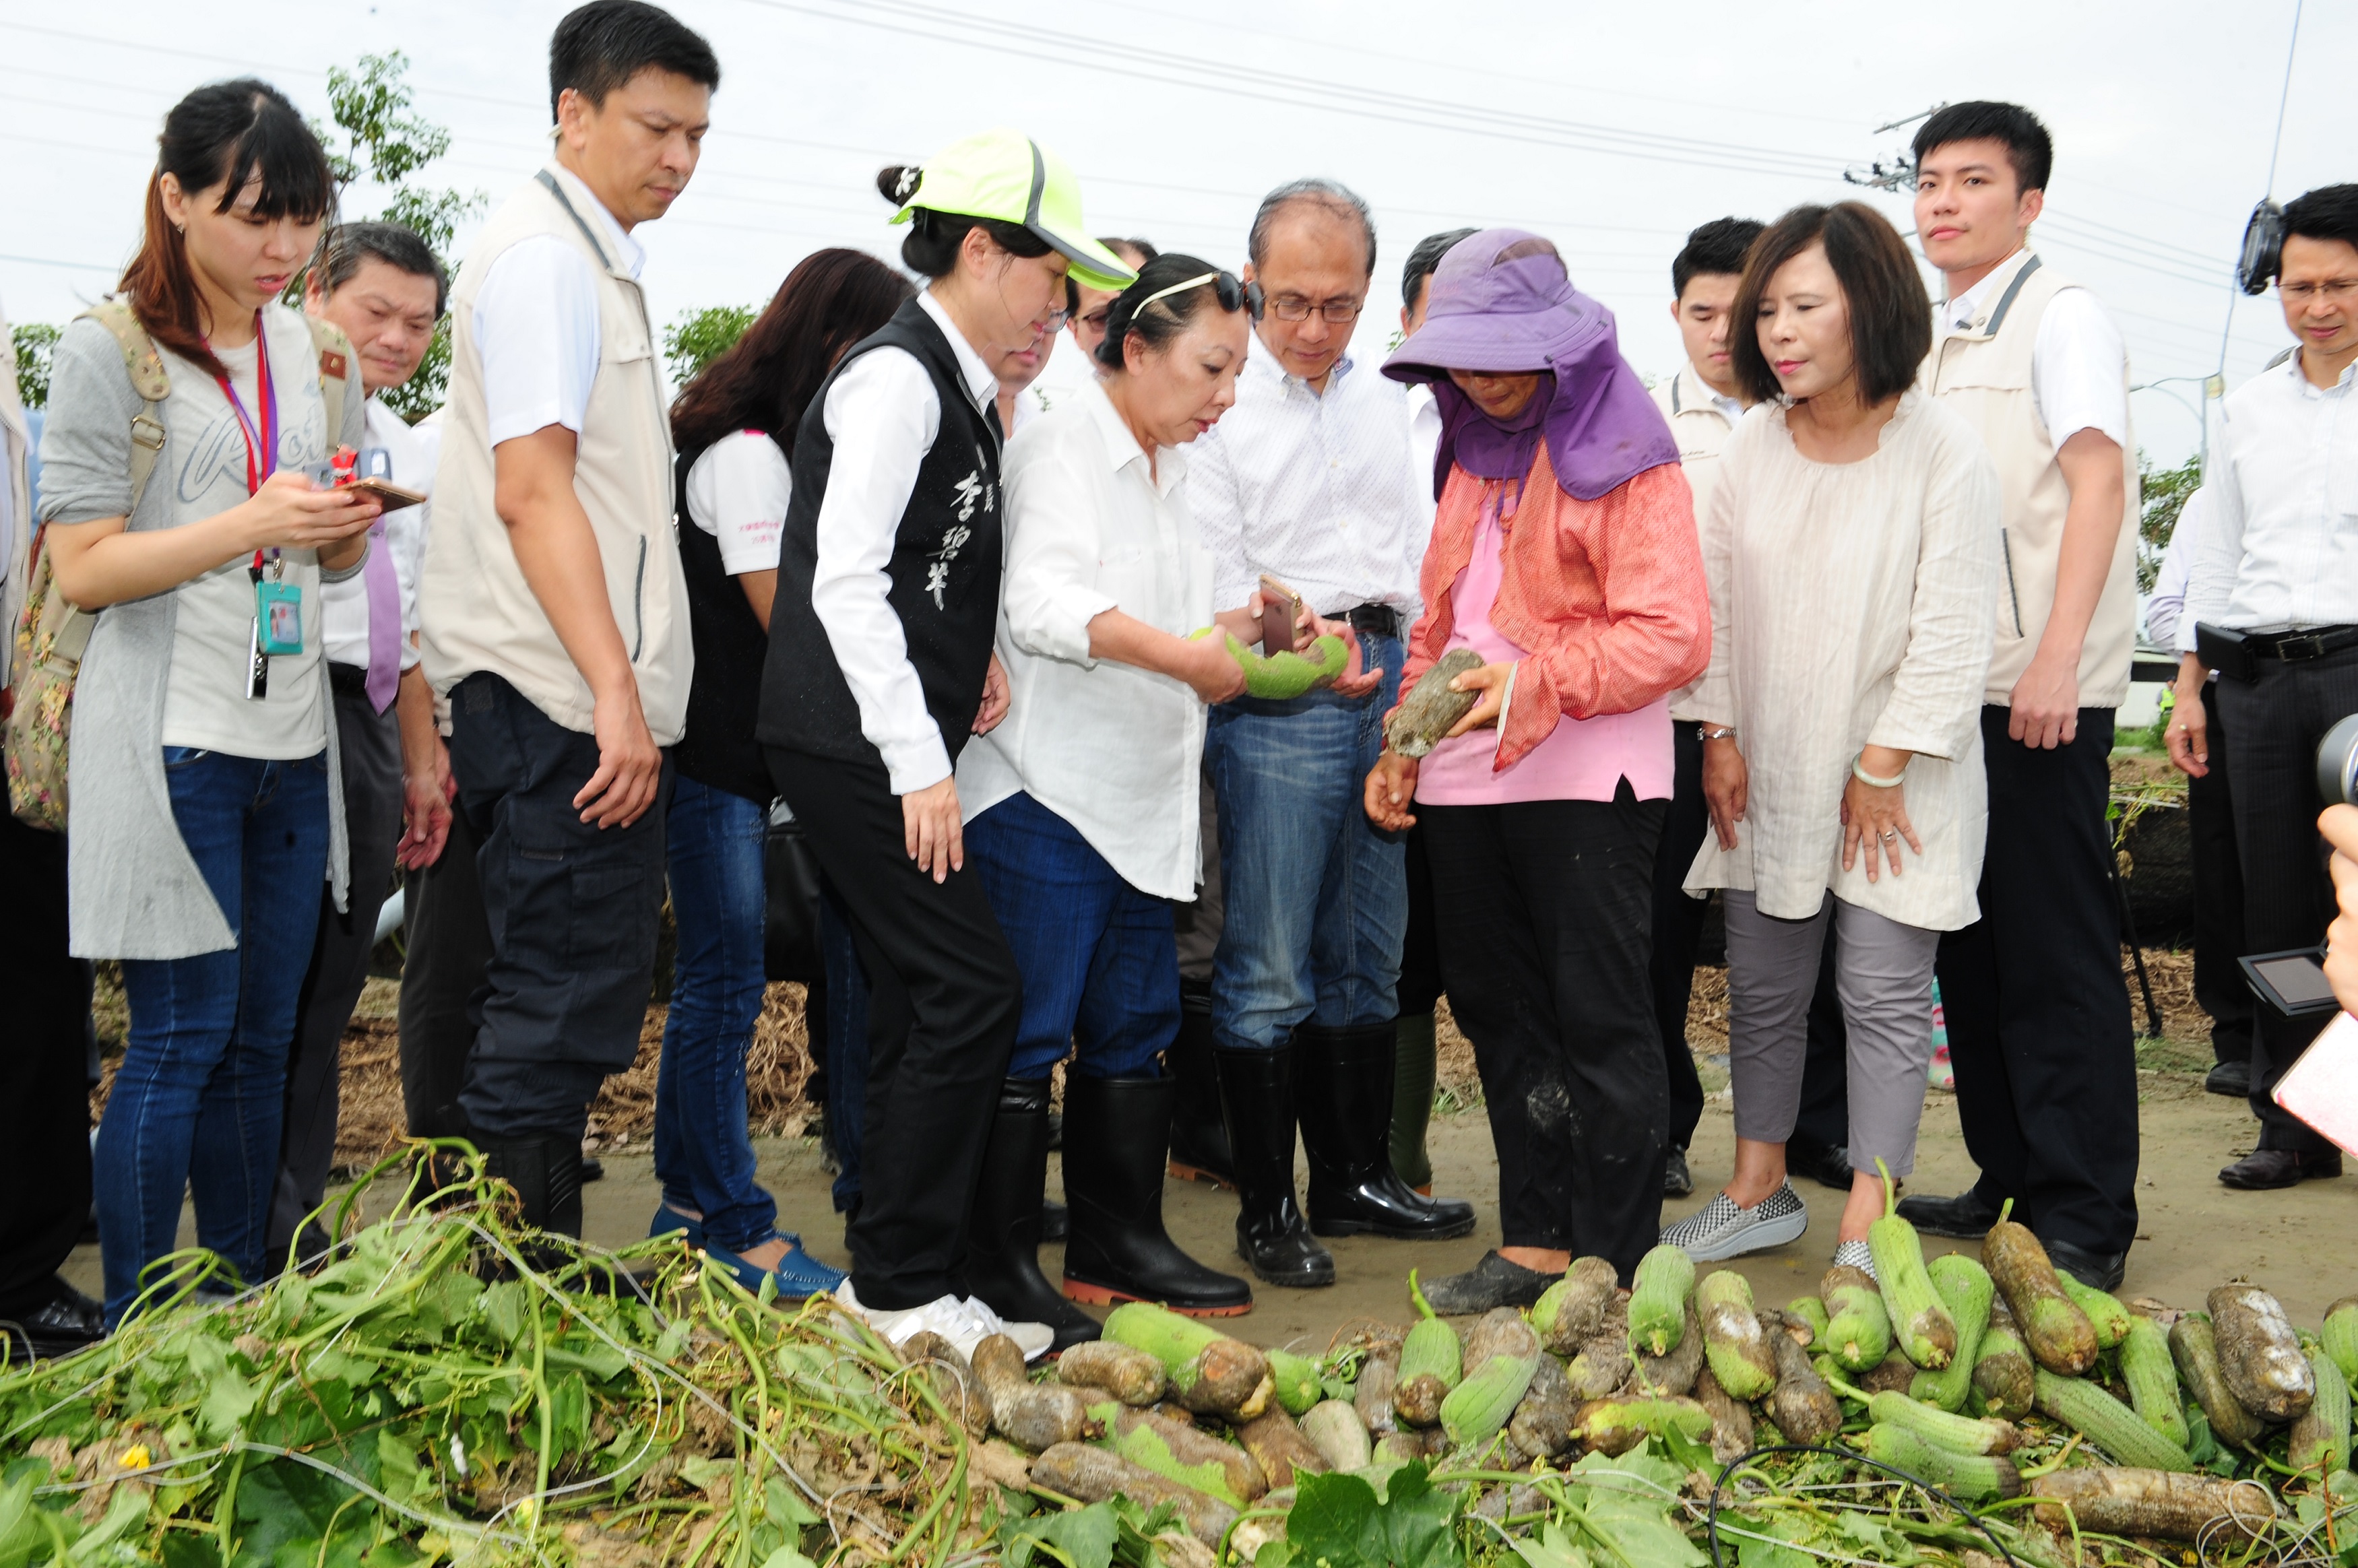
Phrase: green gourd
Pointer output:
(1658, 1300)
(1286, 673)
(1966, 1286)
(1920, 1322)
(2152, 1379)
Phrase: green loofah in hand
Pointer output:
(1289, 674)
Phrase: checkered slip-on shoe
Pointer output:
(1855, 1255)
(1721, 1229)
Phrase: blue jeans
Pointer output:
(846, 1045)
(199, 1100)
(1316, 898)
(1097, 957)
(712, 851)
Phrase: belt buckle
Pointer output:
(2296, 647)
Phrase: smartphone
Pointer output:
(1281, 612)
(323, 476)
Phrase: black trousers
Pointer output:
(1543, 909)
(944, 1003)
(1678, 933)
(369, 745)
(2220, 988)
(572, 909)
(44, 1081)
(2038, 1014)
(2278, 721)
(1420, 975)
(449, 947)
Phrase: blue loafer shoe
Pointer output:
(669, 1221)
(799, 1275)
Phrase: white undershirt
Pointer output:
(736, 491)
(536, 322)
(344, 603)
(882, 416)
(2078, 366)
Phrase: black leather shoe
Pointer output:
(1347, 1124)
(68, 1321)
(593, 1169)
(1056, 1220)
(2097, 1270)
(1495, 1282)
(1828, 1165)
(1113, 1173)
(1003, 1242)
(1677, 1181)
(2263, 1170)
(1256, 1105)
(1199, 1139)
(2230, 1078)
(1965, 1216)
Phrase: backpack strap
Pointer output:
(335, 371)
(145, 367)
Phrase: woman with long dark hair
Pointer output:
(206, 800)
(734, 427)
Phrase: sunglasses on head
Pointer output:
(1231, 294)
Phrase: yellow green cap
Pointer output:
(1007, 176)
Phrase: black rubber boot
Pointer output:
(1003, 1248)
(1347, 1118)
(1414, 1067)
(1115, 1132)
(546, 1174)
(1199, 1139)
(1256, 1104)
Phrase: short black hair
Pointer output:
(600, 46)
(1423, 260)
(2029, 147)
(1891, 315)
(1331, 197)
(343, 248)
(1716, 247)
(2328, 212)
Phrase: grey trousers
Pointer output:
(369, 744)
(1882, 972)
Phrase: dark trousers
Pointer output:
(1545, 927)
(2220, 988)
(2288, 902)
(2038, 1017)
(944, 1003)
(369, 744)
(572, 909)
(845, 1044)
(44, 1089)
(1678, 933)
(448, 948)
(1420, 978)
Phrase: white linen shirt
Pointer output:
(2079, 366)
(344, 603)
(737, 489)
(2281, 546)
(882, 416)
(1319, 490)
(536, 322)
(2165, 622)
(1112, 749)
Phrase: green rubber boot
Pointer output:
(1413, 1077)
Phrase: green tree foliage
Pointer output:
(33, 343)
(698, 337)
(2166, 490)
(385, 143)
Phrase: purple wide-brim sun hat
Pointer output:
(1501, 302)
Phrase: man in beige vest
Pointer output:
(2038, 1016)
(554, 615)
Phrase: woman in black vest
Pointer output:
(893, 540)
(734, 427)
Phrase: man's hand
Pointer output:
(2045, 711)
(2340, 825)
(630, 763)
(2046, 701)
(932, 831)
(2189, 725)
(426, 794)
(1355, 681)
(1727, 787)
(994, 698)
(1391, 786)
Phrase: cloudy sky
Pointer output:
(1612, 129)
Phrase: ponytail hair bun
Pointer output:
(896, 182)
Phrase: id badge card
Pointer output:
(278, 617)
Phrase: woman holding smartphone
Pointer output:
(205, 796)
(880, 669)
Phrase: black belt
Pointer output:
(1376, 620)
(2297, 647)
(347, 680)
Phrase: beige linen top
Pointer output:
(1853, 604)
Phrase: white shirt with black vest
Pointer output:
(2280, 548)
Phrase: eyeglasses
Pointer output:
(1056, 319)
(1337, 312)
(2339, 290)
(1095, 321)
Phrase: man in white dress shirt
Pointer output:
(555, 607)
(381, 284)
(2037, 1015)
(1309, 480)
(2275, 587)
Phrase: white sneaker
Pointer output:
(1033, 1339)
(1721, 1229)
(964, 1322)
